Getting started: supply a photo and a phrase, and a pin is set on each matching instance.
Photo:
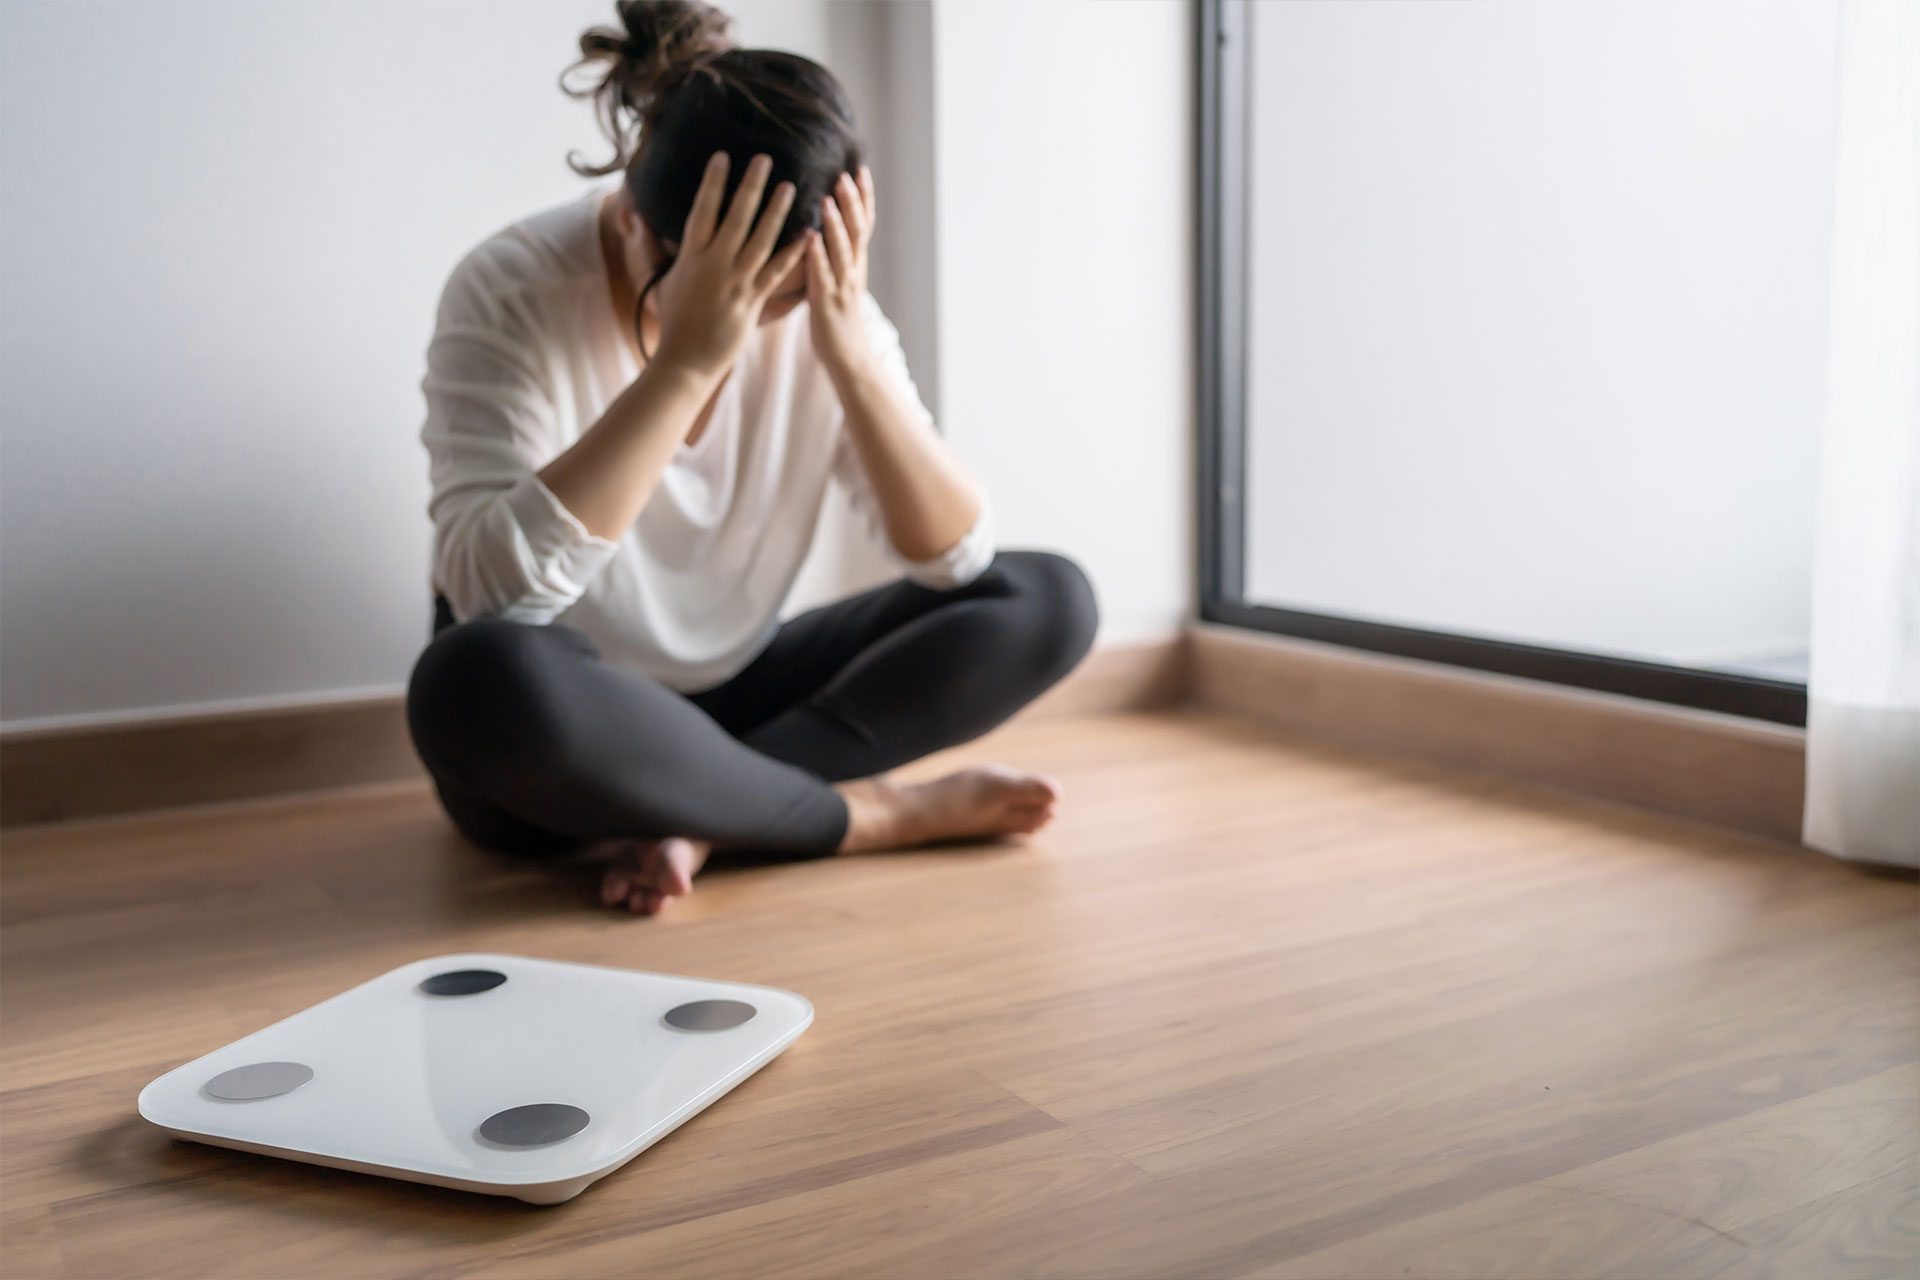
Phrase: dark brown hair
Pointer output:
(670, 88)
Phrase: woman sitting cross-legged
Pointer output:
(635, 405)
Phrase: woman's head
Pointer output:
(671, 88)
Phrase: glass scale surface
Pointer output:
(504, 1075)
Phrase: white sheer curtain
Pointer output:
(1863, 718)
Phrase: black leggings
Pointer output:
(538, 745)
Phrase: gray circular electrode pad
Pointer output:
(258, 1080)
(462, 982)
(709, 1015)
(534, 1125)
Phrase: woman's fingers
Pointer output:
(766, 233)
(746, 202)
(781, 263)
(865, 189)
(853, 212)
(706, 203)
(834, 231)
(819, 274)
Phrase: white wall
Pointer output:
(223, 230)
(1538, 317)
(888, 44)
(1064, 211)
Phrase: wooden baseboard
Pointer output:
(1743, 774)
(1736, 773)
(52, 775)
(1137, 675)
(58, 774)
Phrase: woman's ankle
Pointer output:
(872, 811)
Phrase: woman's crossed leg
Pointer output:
(537, 745)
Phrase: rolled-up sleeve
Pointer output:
(503, 545)
(966, 559)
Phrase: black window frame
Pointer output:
(1223, 171)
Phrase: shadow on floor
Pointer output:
(145, 1163)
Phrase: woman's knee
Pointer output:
(1057, 605)
(478, 687)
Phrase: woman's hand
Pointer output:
(710, 299)
(837, 276)
(927, 502)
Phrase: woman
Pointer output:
(635, 404)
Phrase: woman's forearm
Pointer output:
(606, 476)
(927, 500)
(707, 303)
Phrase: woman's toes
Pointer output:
(651, 874)
(1040, 788)
(676, 867)
(1018, 787)
(1032, 820)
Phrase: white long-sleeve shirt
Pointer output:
(525, 357)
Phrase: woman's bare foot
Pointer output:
(645, 875)
(971, 804)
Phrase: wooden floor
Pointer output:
(1252, 1008)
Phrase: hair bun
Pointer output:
(625, 69)
(665, 39)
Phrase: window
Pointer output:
(1513, 335)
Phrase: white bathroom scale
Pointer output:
(499, 1074)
